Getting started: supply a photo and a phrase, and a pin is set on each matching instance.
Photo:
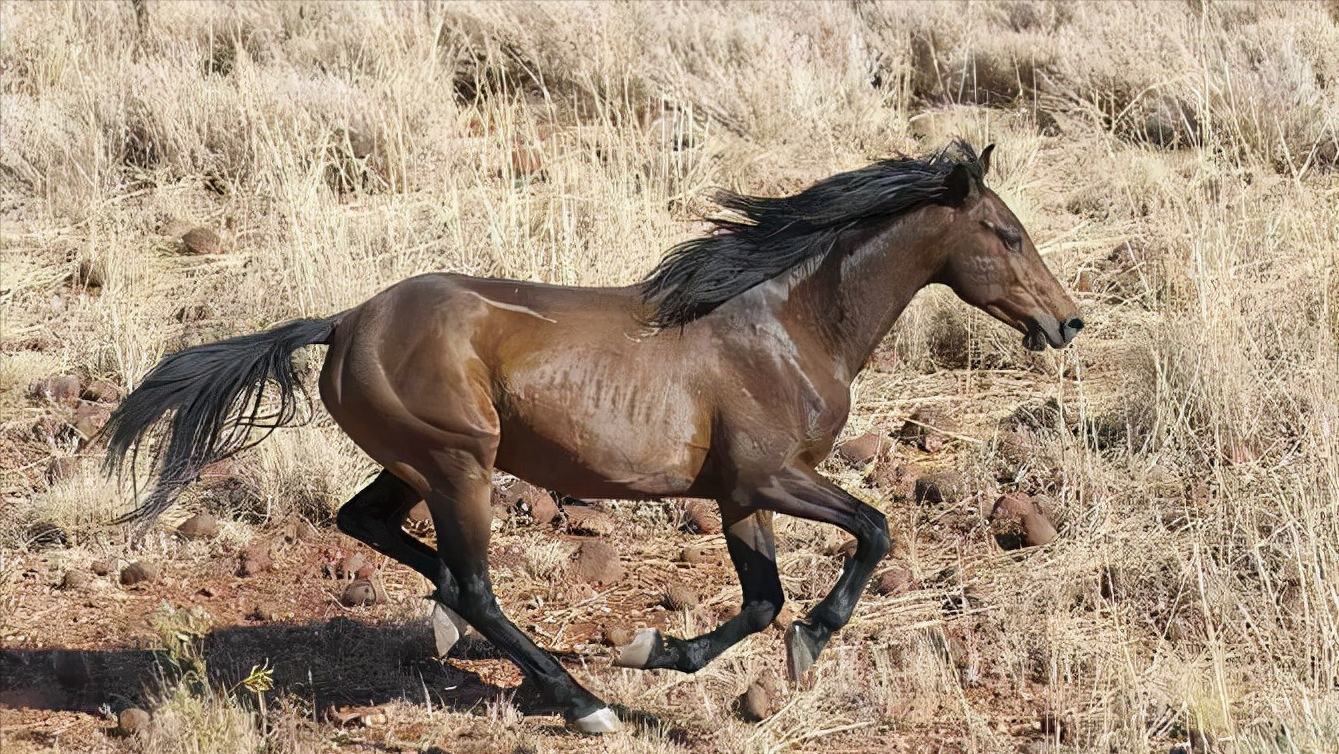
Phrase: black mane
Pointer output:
(776, 234)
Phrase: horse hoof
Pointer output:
(602, 720)
(447, 628)
(638, 651)
(801, 651)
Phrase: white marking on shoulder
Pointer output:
(511, 307)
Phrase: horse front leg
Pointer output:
(803, 493)
(752, 548)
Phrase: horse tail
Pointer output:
(218, 392)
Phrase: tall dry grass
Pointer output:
(1175, 162)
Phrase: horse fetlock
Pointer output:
(638, 652)
(803, 643)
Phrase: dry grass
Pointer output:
(1175, 161)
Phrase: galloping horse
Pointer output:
(725, 374)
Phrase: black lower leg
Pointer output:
(374, 517)
(753, 552)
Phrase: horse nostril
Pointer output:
(1074, 324)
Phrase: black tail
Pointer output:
(218, 392)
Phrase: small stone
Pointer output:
(755, 704)
(940, 488)
(89, 418)
(359, 593)
(701, 517)
(255, 559)
(583, 519)
(297, 529)
(263, 614)
(534, 502)
(366, 572)
(615, 636)
(201, 240)
(862, 450)
(348, 567)
(75, 580)
(894, 582)
(199, 526)
(103, 566)
(101, 391)
(783, 618)
(697, 554)
(679, 597)
(1016, 522)
(44, 535)
(61, 468)
(133, 722)
(62, 389)
(925, 428)
(597, 562)
(138, 572)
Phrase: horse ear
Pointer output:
(958, 185)
(984, 159)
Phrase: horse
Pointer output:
(724, 374)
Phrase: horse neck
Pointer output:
(853, 297)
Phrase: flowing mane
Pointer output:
(776, 234)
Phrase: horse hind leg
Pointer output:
(753, 550)
(462, 516)
(375, 516)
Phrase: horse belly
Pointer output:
(588, 430)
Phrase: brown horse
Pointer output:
(725, 374)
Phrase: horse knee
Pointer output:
(759, 614)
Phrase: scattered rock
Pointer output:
(103, 566)
(44, 535)
(348, 567)
(1016, 522)
(133, 722)
(62, 389)
(940, 488)
(89, 418)
(894, 582)
(199, 526)
(71, 669)
(597, 562)
(75, 580)
(297, 529)
(926, 428)
(756, 703)
(101, 391)
(367, 717)
(783, 618)
(679, 597)
(533, 501)
(61, 468)
(582, 519)
(359, 593)
(701, 517)
(201, 240)
(696, 554)
(263, 614)
(138, 572)
(615, 636)
(255, 559)
(862, 450)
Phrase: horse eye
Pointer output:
(1011, 238)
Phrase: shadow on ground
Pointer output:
(337, 662)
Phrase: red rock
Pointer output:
(582, 519)
(75, 580)
(597, 562)
(201, 240)
(679, 597)
(525, 160)
(860, 451)
(199, 526)
(255, 559)
(701, 517)
(940, 488)
(138, 572)
(696, 554)
(359, 593)
(1017, 522)
(534, 502)
(925, 428)
(102, 391)
(615, 636)
(61, 468)
(348, 567)
(89, 418)
(133, 722)
(63, 389)
(756, 703)
(894, 582)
